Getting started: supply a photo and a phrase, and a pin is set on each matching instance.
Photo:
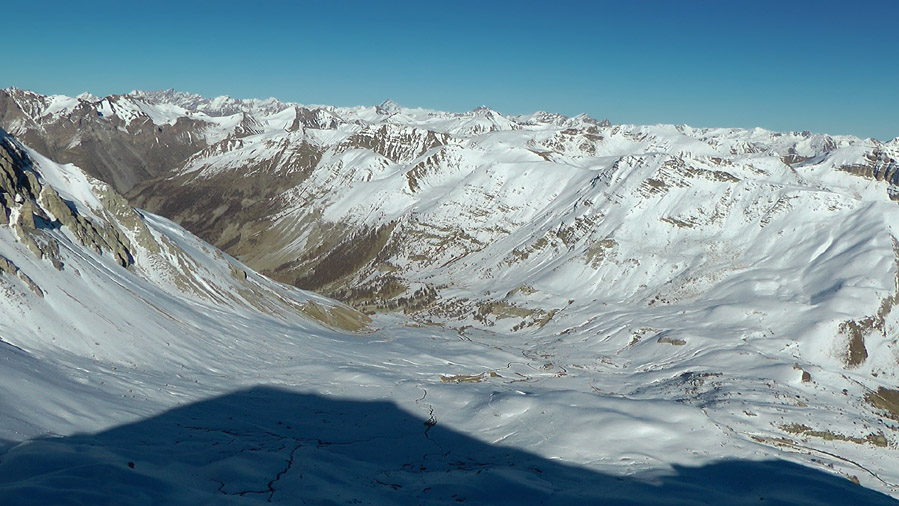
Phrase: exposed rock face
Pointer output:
(9, 268)
(39, 207)
(107, 238)
(15, 183)
(880, 165)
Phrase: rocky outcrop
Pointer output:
(878, 165)
(38, 208)
(321, 119)
(11, 269)
(100, 238)
(15, 182)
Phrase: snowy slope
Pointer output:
(708, 267)
(539, 198)
(88, 282)
(630, 310)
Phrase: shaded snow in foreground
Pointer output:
(271, 445)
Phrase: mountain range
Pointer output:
(628, 299)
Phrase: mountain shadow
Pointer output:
(268, 445)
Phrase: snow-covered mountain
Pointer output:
(395, 208)
(91, 286)
(619, 297)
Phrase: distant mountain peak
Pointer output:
(388, 107)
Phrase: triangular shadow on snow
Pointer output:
(268, 445)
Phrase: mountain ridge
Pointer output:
(626, 298)
(236, 184)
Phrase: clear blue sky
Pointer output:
(804, 65)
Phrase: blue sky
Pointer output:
(803, 65)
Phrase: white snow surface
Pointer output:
(694, 274)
